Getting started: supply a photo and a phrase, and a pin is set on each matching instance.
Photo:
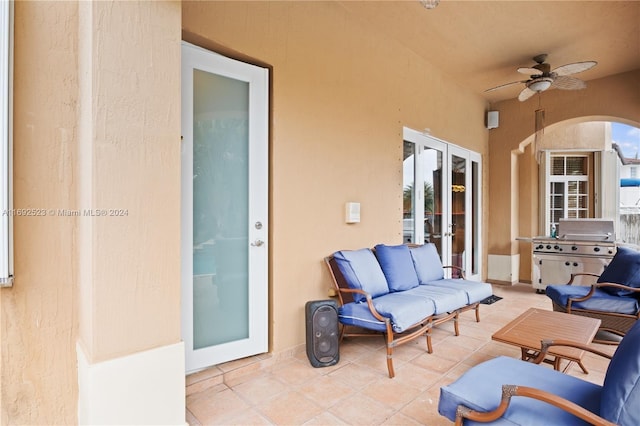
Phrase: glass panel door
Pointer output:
(457, 223)
(442, 199)
(224, 210)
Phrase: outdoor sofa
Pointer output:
(399, 291)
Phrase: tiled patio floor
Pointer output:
(357, 390)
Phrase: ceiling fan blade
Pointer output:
(505, 85)
(529, 71)
(575, 67)
(568, 83)
(526, 94)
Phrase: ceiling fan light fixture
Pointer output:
(540, 84)
(429, 4)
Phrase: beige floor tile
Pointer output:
(326, 391)
(291, 408)
(362, 410)
(216, 407)
(395, 393)
(358, 391)
(260, 389)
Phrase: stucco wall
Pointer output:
(96, 126)
(341, 93)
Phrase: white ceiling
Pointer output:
(482, 43)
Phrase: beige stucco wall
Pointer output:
(341, 93)
(96, 126)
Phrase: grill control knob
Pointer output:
(548, 247)
(567, 263)
(556, 247)
(574, 248)
(610, 251)
(575, 264)
(596, 249)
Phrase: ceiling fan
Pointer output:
(541, 77)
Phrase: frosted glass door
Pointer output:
(224, 208)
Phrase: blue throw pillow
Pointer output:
(619, 401)
(427, 263)
(397, 267)
(623, 269)
(362, 271)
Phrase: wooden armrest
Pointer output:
(599, 285)
(545, 344)
(459, 269)
(616, 285)
(372, 308)
(573, 276)
(509, 391)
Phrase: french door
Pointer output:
(442, 199)
(224, 208)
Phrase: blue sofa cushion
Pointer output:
(475, 291)
(361, 271)
(427, 263)
(620, 402)
(403, 309)
(480, 388)
(600, 301)
(358, 314)
(623, 269)
(397, 267)
(444, 299)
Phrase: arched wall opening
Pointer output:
(511, 160)
(585, 135)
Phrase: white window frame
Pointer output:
(6, 138)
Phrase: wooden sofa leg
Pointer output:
(477, 309)
(429, 346)
(392, 373)
(456, 326)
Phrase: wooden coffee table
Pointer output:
(533, 325)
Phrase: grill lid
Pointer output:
(586, 230)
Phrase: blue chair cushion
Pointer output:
(600, 301)
(427, 263)
(620, 401)
(361, 271)
(397, 267)
(404, 311)
(480, 388)
(444, 299)
(623, 269)
(475, 291)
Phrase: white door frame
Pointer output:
(422, 140)
(194, 57)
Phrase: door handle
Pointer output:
(257, 243)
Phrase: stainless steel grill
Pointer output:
(582, 245)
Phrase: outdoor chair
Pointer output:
(614, 298)
(511, 391)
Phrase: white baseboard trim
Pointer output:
(144, 388)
